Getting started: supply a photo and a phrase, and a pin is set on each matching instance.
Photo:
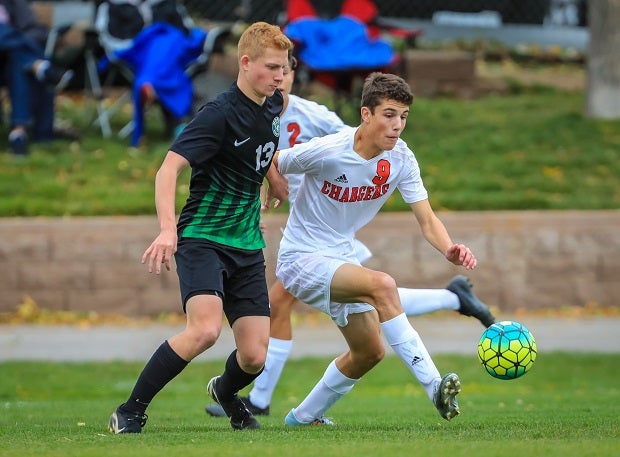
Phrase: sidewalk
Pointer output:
(458, 335)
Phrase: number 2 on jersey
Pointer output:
(294, 129)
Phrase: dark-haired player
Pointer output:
(347, 177)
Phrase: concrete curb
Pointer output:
(458, 335)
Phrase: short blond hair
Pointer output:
(259, 36)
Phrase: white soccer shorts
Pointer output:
(308, 278)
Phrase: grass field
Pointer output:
(521, 151)
(566, 406)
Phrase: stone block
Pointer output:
(45, 276)
(439, 72)
(75, 243)
(158, 301)
(8, 275)
(18, 239)
(122, 274)
(10, 299)
(123, 301)
(55, 300)
(440, 65)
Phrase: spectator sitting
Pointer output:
(29, 76)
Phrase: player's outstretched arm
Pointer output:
(437, 235)
(164, 246)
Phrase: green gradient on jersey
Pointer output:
(228, 214)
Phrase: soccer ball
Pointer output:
(507, 350)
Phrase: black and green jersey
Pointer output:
(229, 144)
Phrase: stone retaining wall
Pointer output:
(530, 260)
(440, 72)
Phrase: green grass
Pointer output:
(566, 406)
(533, 149)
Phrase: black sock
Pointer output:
(163, 366)
(234, 378)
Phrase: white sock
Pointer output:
(423, 301)
(409, 347)
(277, 354)
(331, 388)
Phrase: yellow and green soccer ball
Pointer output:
(507, 350)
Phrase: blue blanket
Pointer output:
(159, 55)
(338, 44)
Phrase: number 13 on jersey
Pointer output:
(264, 154)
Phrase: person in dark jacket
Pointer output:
(31, 79)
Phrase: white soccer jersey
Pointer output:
(342, 192)
(301, 121)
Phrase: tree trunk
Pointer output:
(603, 68)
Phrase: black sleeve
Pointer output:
(201, 139)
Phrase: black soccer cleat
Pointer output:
(470, 304)
(215, 410)
(126, 422)
(240, 417)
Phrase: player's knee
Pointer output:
(385, 281)
(251, 362)
(281, 302)
(370, 357)
(384, 287)
(206, 338)
(376, 356)
(280, 311)
(194, 341)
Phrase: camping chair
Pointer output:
(137, 41)
(338, 42)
